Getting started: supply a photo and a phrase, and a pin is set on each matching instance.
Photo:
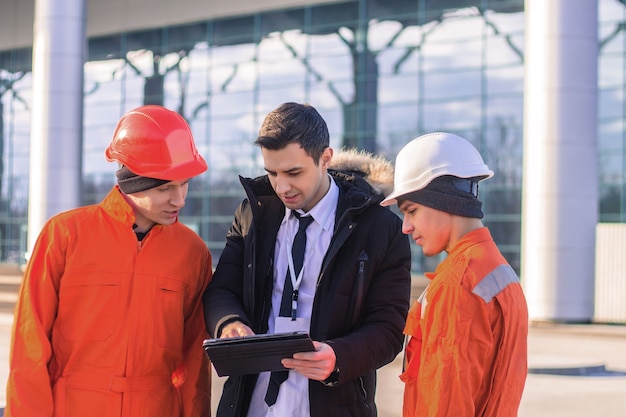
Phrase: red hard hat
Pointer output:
(155, 142)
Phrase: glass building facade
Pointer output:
(380, 72)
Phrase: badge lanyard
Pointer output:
(296, 281)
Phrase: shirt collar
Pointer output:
(323, 211)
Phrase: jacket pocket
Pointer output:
(169, 316)
(359, 286)
(75, 401)
(411, 363)
(88, 306)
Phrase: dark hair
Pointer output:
(295, 123)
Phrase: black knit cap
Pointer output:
(453, 195)
(130, 183)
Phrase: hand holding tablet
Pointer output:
(253, 354)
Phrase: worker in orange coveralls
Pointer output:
(109, 318)
(466, 354)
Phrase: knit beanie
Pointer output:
(130, 183)
(451, 194)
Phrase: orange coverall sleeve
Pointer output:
(29, 392)
(191, 377)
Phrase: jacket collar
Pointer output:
(117, 207)
(469, 239)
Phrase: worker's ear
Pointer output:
(326, 157)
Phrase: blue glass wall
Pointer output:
(380, 72)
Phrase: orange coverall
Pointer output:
(109, 326)
(467, 349)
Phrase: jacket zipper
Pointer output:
(363, 391)
(330, 250)
(264, 316)
(360, 285)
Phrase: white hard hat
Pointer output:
(434, 155)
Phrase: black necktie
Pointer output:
(297, 252)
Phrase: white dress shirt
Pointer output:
(293, 396)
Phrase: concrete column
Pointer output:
(59, 49)
(560, 182)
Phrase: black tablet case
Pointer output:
(253, 354)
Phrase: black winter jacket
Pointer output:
(360, 305)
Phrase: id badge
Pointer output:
(286, 325)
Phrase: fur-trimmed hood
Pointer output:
(375, 169)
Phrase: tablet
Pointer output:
(253, 354)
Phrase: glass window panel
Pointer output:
(245, 124)
(611, 203)
(232, 31)
(329, 45)
(611, 37)
(105, 48)
(502, 149)
(392, 10)
(444, 84)
(227, 55)
(185, 37)
(507, 109)
(22, 86)
(382, 33)
(277, 74)
(273, 97)
(328, 17)
(501, 50)
(196, 86)
(282, 60)
(229, 104)
(238, 76)
(393, 61)
(446, 56)
(610, 11)
(329, 82)
(228, 160)
(411, 36)
(331, 68)
(451, 115)
(18, 145)
(16, 60)
(397, 125)
(611, 70)
(282, 47)
(199, 57)
(457, 26)
(104, 83)
(398, 89)
(98, 72)
(611, 103)
(504, 80)
(511, 20)
(282, 21)
(199, 125)
(173, 90)
(611, 136)
(236, 70)
(612, 168)
(149, 39)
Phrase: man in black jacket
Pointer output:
(352, 294)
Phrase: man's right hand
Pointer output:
(236, 329)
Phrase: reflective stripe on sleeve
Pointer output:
(494, 282)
